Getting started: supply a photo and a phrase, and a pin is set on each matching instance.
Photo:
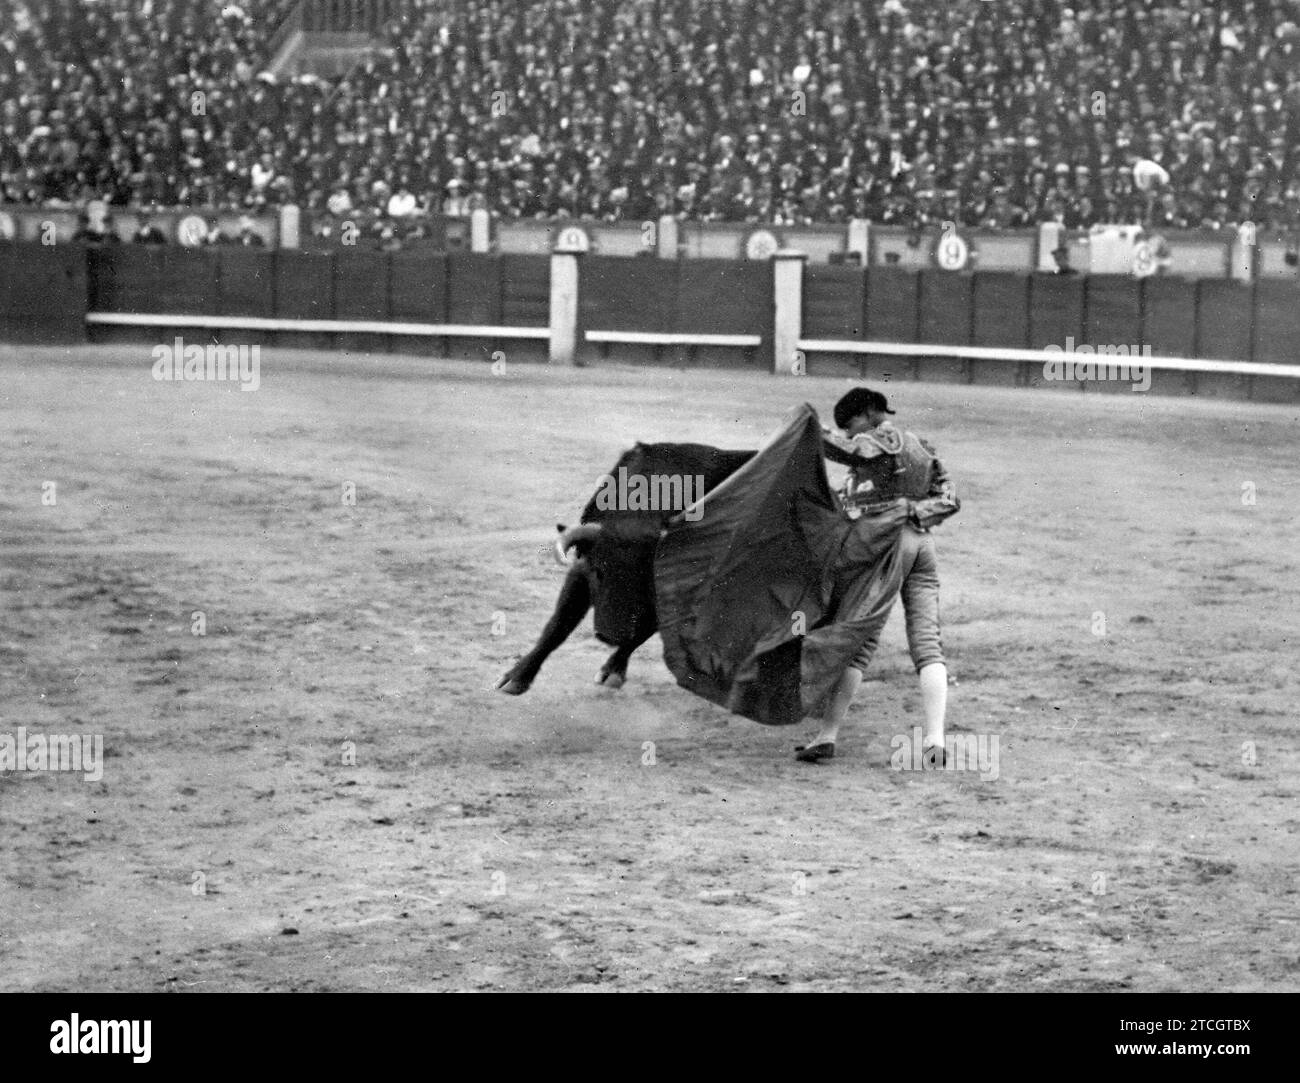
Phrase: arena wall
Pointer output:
(43, 294)
(1216, 320)
(696, 312)
(362, 286)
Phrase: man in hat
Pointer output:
(888, 464)
(94, 225)
(148, 232)
(248, 235)
(1061, 254)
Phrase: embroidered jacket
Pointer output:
(887, 464)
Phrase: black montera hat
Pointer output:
(860, 400)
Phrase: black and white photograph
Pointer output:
(651, 496)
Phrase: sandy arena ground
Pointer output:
(486, 842)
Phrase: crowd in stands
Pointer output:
(1001, 114)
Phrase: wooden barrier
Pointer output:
(891, 305)
(1211, 337)
(43, 293)
(945, 314)
(1055, 310)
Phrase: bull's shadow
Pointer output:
(610, 558)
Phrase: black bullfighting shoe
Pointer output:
(934, 758)
(815, 753)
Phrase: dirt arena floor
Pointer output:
(1143, 832)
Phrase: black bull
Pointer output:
(613, 572)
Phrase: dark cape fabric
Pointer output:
(764, 600)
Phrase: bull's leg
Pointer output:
(614, 672)
(570, 608)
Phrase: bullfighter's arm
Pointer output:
(841, 450)
(941, 503)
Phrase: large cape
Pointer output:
(765, 599)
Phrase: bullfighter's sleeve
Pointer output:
(941, 502)
(840, 450)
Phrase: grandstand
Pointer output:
(820, 111)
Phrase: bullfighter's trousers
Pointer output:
(867, 592)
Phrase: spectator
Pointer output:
(1061, 254)
(457, 202)
(340, 203)
(388, 240)
(148, 233)
(325, 229)
(95, 226)
(248, 235)
(214, 234)
(262, 173)
(752, 112)
(402, 203)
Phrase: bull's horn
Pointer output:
(571, 537)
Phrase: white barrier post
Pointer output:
(480, 230)
(565, 280)
(787, 276)
(290, 226)
(1241, 253)
(667, 237)
(859, 238)
(1050, 235)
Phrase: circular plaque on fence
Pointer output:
(573, 239)
(952, 253)
(1144, 260)
(761, 244)
(192, 231)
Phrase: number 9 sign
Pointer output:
(1144, 260)
(952, 252)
